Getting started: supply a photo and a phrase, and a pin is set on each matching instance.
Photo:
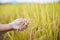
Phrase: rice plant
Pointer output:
(44, 24)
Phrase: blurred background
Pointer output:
(44, 15)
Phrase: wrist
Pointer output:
(9, 26)
(14, 27)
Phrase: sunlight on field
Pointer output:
(44, 25)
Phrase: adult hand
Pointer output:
(19, 24)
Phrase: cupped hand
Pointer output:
(20, 24)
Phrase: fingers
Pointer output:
(24, 24)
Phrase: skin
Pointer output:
(9, 27)
(5, 27)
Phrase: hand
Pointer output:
(19, 24)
